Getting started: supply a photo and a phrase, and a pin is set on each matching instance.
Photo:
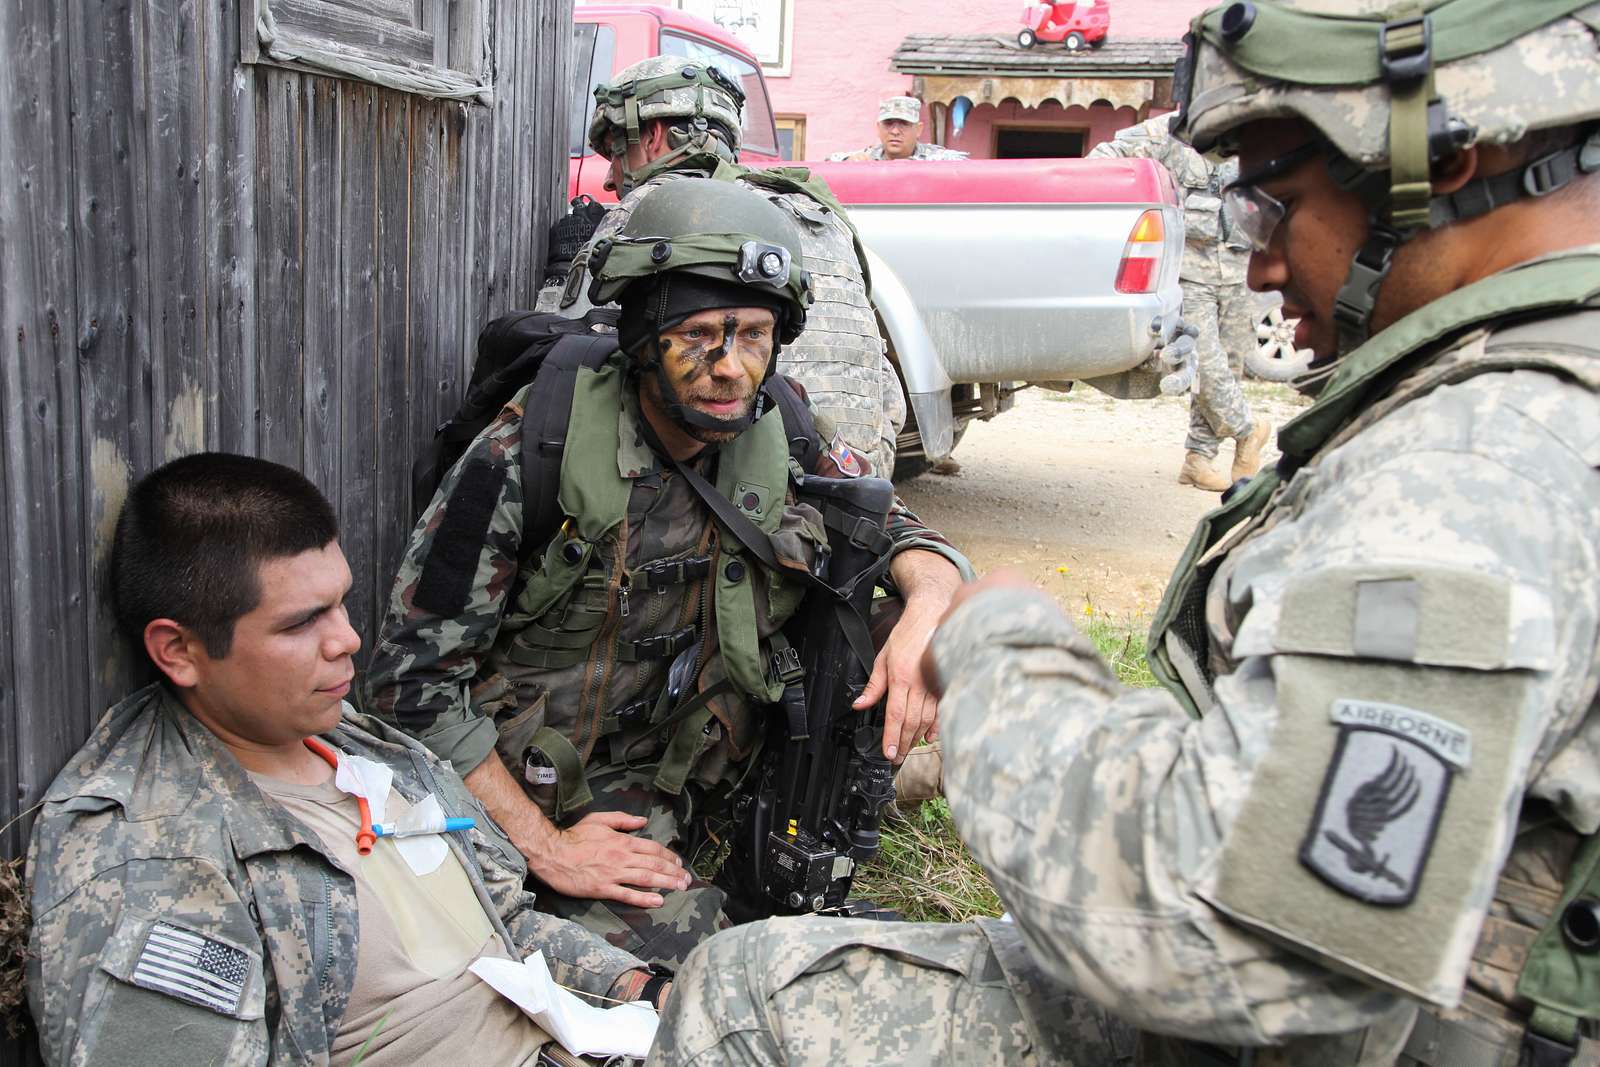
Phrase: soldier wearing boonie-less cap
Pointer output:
(899, 135)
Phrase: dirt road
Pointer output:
(1081, 493)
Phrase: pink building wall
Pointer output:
(842, 50)
(1098, 123)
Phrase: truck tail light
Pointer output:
(1141, 256)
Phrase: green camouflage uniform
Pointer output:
(478, 674)
(1427, 583)
(841, 357)
(1212, 277)
(154, 824)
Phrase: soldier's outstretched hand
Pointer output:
(927, 581)
(597, 858)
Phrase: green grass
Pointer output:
(922, 870)
(1122, 645)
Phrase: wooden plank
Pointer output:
(390, 431)
(455, 310)
(347, 28)
(428, 119)
(279, 265)
(358, 345)
(110, 228)
(524, 127)
(42, 610)
(509, 38)
(320, 119)
(403, 11)
(228, 197)
(174, 131)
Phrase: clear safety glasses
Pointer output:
(1253, 213)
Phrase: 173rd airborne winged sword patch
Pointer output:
(1382, 796)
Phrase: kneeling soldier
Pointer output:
(597, 682)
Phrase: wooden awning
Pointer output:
(988, 68)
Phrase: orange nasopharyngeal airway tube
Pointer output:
(1141, 256)
(365, 837)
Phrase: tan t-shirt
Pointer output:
(418, 935)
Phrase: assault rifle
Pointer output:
(807, 815)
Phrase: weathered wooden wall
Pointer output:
(197, 253)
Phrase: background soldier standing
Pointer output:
(1214, 302)
(1361, 824)
(899, 135)
(685, 123)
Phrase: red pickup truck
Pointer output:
(987, 274)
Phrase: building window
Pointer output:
(791, 136)
(1037, 142)
(437, 48)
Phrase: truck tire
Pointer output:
(1027, 38)
(1275, 358)
(1075, 41)
(909, 462)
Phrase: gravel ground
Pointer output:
(1080, 492)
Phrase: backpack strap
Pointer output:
(1561, 977)
(544, 431)
(799, 424)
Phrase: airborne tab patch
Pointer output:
(1382, 796)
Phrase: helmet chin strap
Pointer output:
(1354, 304)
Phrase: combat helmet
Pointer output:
(693, 244)
(1393, 86)
(704, 106)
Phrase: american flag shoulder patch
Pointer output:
(192, 967)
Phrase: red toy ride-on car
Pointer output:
(1075, 24)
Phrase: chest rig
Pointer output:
(587, 610)
(1551, 304)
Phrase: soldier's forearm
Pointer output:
(505, 801)
(923, 575)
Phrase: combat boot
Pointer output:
(1247, 450)
(1198, 472)
(919, 778)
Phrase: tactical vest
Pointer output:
(840, 355)
(576, 589)
(1551, 303)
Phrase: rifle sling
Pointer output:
(759, 545)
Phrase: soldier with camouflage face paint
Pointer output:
(1214, 302)
(1359, 824)
(199, 890)
(667, 118)
(602, 689)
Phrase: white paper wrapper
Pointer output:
(581, 1028)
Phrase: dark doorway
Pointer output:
(1034, 142)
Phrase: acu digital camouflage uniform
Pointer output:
(924, 150)
(154, 822)
(841, 358)
(1341, 834)
(1135, 846)
(1212, 276)
(506, 668)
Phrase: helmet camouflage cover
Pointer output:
(1393, 86)
(671, 88)
(713, 229)
(1501, 69)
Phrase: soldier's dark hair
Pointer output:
(192, 537)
